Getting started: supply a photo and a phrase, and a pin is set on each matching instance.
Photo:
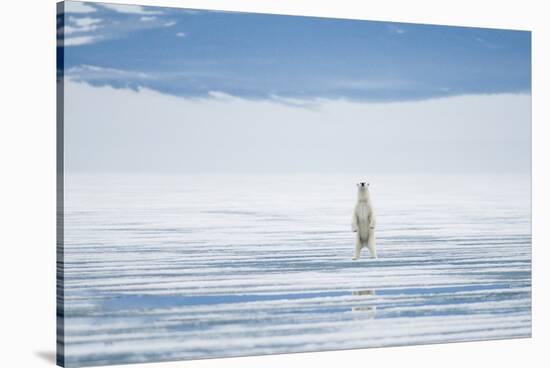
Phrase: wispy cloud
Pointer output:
(78, 7)
(84, 22)
(77, 41)
(130, 9)
(82, 29)
(80, 25)
(77, 31)
(68, 30)
(395, 29)
(147, 18)
(181, 34)
(92, 73)
(311, 103)
(486, 43)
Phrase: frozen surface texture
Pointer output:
(185, 267)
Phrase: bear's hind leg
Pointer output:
(357, 253)
(371, 244)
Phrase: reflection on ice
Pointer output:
(370, 310)
(365, 292)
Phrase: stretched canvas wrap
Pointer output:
(234, 184)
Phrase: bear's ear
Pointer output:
(368, 184)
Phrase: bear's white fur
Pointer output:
(363, 222)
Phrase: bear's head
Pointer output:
(363, 191)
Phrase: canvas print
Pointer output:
(235, 184)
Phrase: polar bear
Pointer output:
(363, 222)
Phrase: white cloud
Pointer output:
(147, 18)
(80, 25)
(193, 12)
(84, 22)
(92, 72)
(181, 34)
(297, 102)
(220, 96)
(79, 40)
(67, 30)
(130, 9)
(477, 133)
(78, 7)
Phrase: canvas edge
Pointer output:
(60, 96)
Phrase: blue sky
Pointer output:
(193, 53)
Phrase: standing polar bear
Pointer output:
(364, 222)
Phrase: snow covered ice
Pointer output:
(161, 267)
